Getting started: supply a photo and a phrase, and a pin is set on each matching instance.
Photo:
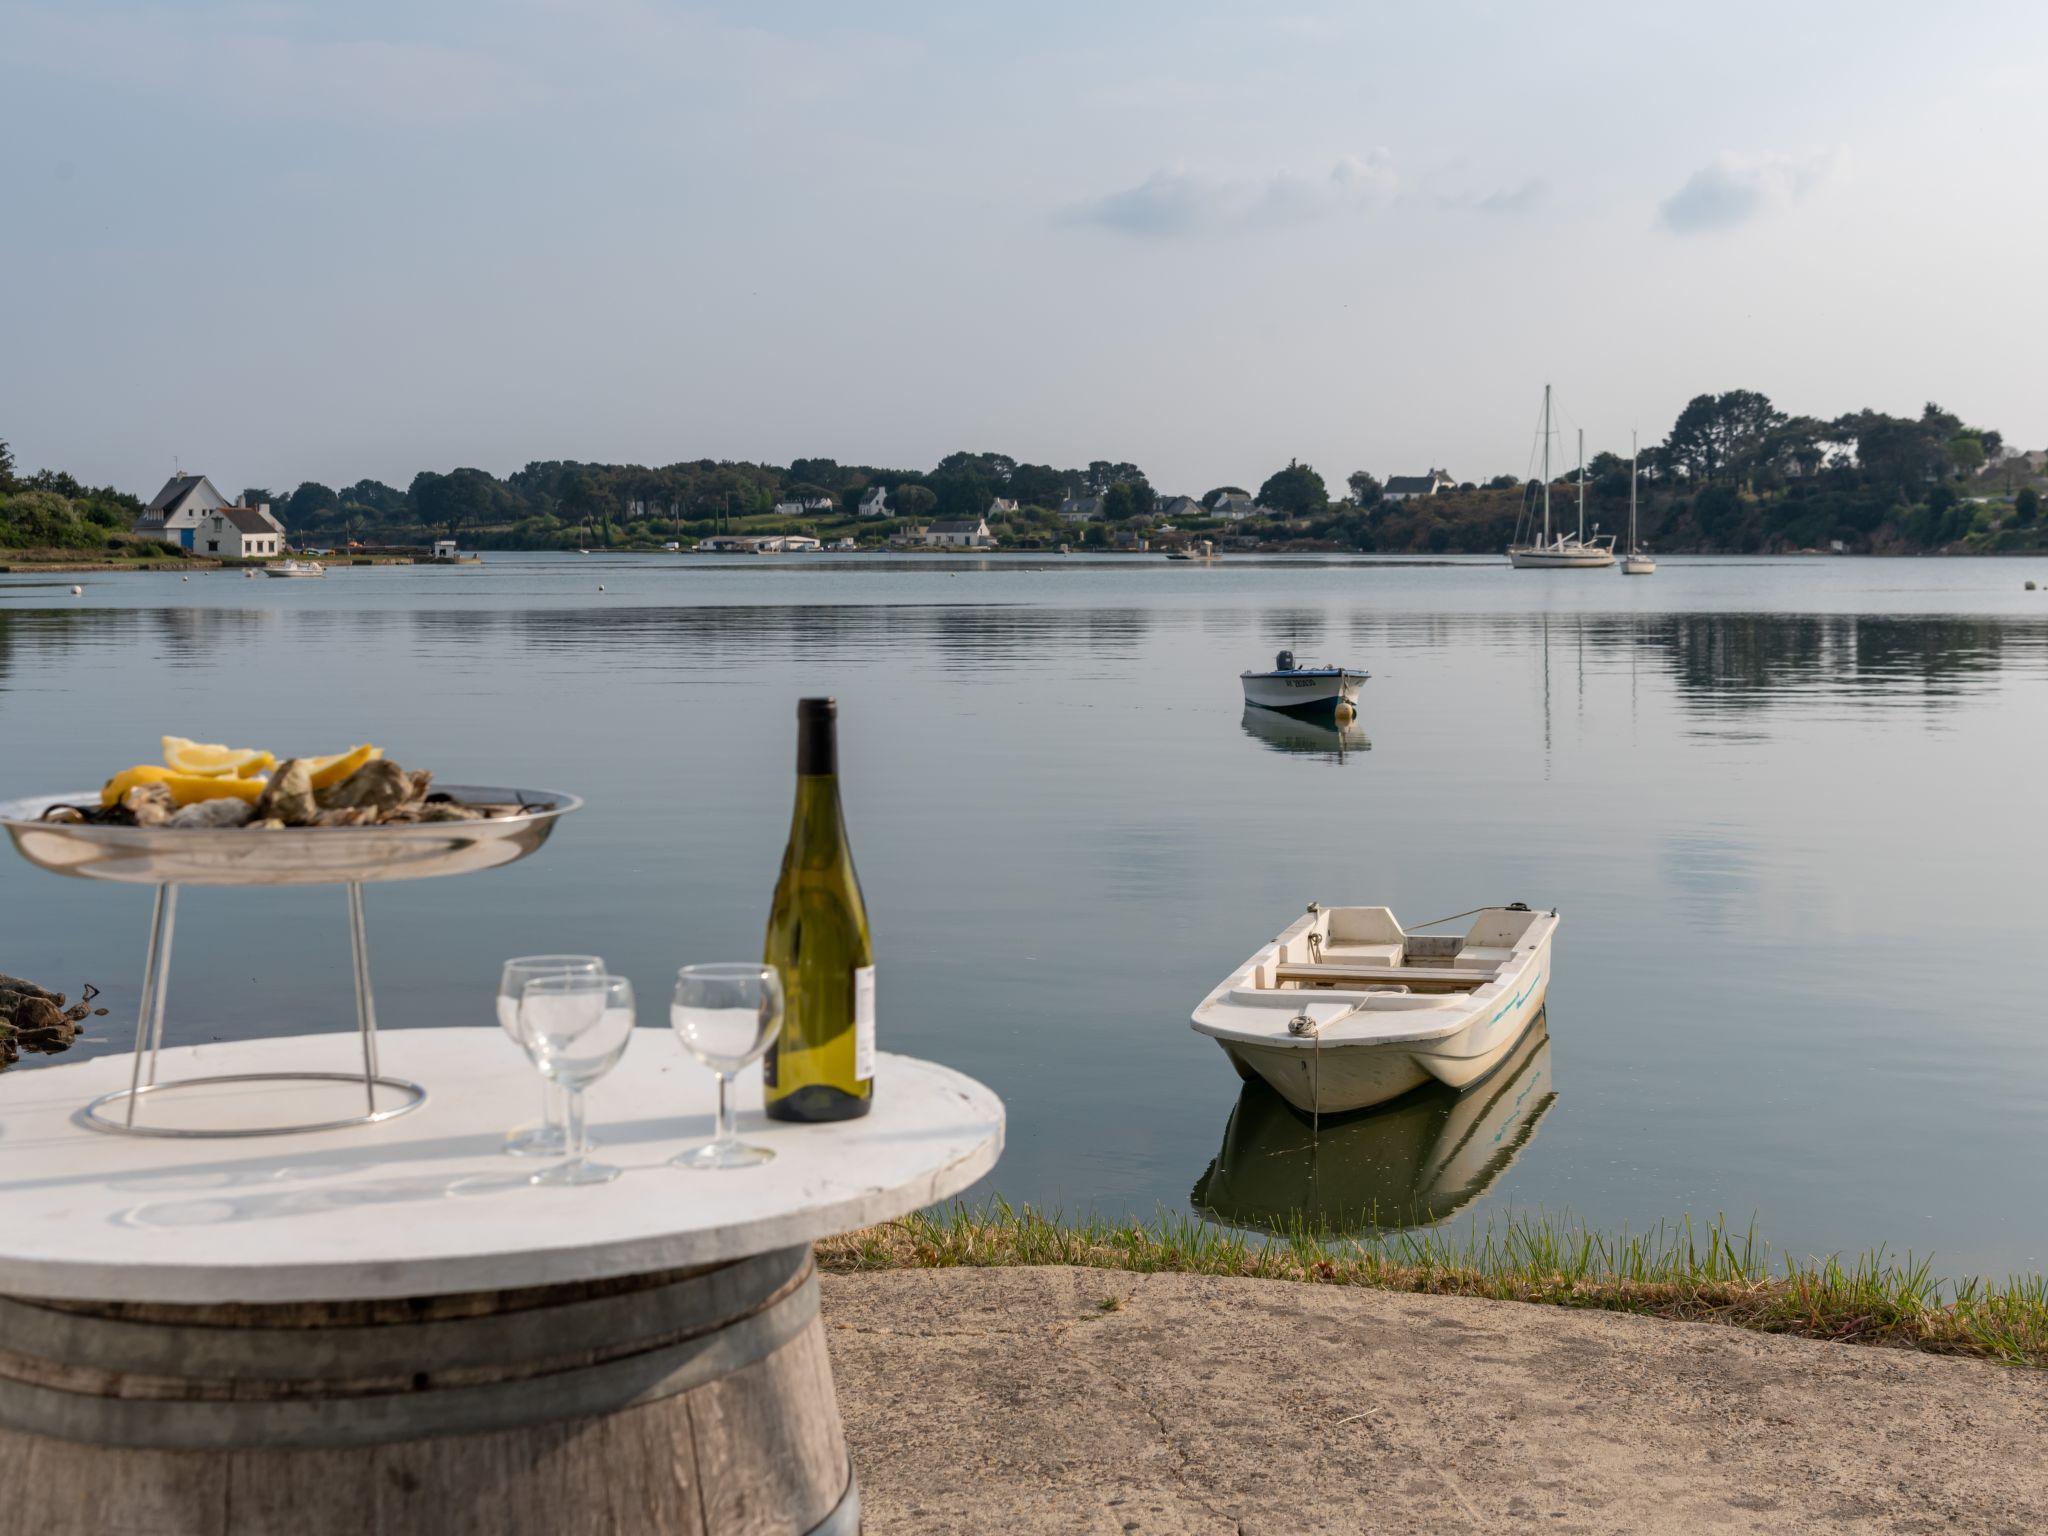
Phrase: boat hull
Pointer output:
(1638, 565)
(1580, 558)
(1303, 693)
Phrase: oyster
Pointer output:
(379, 786)
(288, 799)
(448, 810)
(150, 804)
(225, 812)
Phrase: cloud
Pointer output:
(1732, 189)
(1176, 203)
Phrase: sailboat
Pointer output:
(1565, 552)
(1637, 561)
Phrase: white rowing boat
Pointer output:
(295, 570)
(1345, 1009)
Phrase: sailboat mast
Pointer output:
(1582, 485)
(1546, 463)
(1632, 492)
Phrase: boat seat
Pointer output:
(1328, 975)
(1478, 955)
(1362, 954)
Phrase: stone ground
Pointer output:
(1016, 1400)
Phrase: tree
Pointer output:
(2026, 507)
(310, 503)
(914, 500)
(257, 496)
(1296, 490)
(1365, 488)
(1966, 454)
(1126, 499)
(1102, 474)
(7, 481)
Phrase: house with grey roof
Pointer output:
(959, 533)
(1080, 509)
(184, 506)
(1401, 487)
(875, 503)
(1236, 506)
(238, 533)
(174, 514)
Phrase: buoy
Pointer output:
(75, 591)
(2030, 586)
(600, 586)
(184, 578)
(248, 575)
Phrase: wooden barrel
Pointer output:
(692, 1401)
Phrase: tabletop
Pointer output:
(428, 1202)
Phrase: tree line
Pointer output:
(1733, 473)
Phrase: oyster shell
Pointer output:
(289, 798)
(150, 804)
(225, 812)
(378, 786)
(448, 810)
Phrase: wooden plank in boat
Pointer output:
(1377, 974)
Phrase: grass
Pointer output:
(1715, 1274)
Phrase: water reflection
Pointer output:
(1408, 1164)
(1332, 739)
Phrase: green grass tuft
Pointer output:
(1675, 1270)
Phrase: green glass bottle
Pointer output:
(822, 1065)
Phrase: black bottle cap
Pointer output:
(817, 737)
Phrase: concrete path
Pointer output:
(1011, 1400)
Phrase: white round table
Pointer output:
(384, 1328)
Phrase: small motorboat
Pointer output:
(1298, 690)
(295, 569)
(1346, 1009)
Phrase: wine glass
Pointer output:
(576, 1028)
(725, 1015)
(545, 1139)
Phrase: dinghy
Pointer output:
(1346, 1009)
(1298, 690)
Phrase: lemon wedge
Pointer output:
(332, 770)
(185, 788)
(212, 760)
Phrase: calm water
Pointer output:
(1792, 812)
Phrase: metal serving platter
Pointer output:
(286, 855)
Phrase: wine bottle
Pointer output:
(822, 1065)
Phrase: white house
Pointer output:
(959, 533)
(1401, 487)
(175, 513)
(1080, 509)
(1002, 506)
(1236, 506)
(1178, 508)
(875, 503)
(812, 505)
(800, 543)
(237, 533)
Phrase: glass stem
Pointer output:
(550, 1104)
(575, 1144)
(724, 1109)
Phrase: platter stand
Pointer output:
(169, 858)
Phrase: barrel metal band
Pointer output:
(300, 1423)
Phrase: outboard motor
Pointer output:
(1284, 662)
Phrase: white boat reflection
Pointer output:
(1331, 738)
(1407, 1164)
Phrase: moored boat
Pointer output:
(299, 569)
(1298, 690)
(1346, 1009)
(1563, 551)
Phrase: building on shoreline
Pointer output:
(958, 533)
(1080, 509)
(1402, 487)
(192, 514)
(1236, 506)
(875, 503)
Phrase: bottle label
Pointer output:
(864, 1023)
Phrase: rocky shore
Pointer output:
(33, 1018)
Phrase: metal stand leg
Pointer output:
(156, 972)
(366, 1001)
(401, 1095)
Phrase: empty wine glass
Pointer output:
(545, 1139)
(575, 1028)
(725, 1015)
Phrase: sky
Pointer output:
(275, 242)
